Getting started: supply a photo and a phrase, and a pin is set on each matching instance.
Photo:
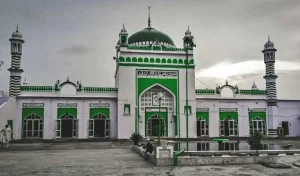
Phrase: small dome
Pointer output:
(150, 34)
(254, 87)
(123, 30)
(17, 34)
(188, 32)
(269, 44)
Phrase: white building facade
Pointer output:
(153, 80)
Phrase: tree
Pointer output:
(255, 141)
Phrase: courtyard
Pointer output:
(89, 159)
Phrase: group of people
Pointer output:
(6, 137)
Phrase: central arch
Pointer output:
(149, 106)
(152, 126)
(67, 126)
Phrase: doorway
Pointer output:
(66, 127)
(257, 124)
(99, 126)
(153, 126)
(32, 127)
(202, 127)
(228, 127)
(285, 126)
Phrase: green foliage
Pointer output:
(136, 137)
(255, 141)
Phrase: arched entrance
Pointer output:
(32, 126)
(153, 108)
(67, 126)
(202, 127)
(153, 126)
(258, 124)
(99, 126)
(229, 127)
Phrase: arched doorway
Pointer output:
(202, 127)
(99, 126)
(32, 126)
(67, 126)
(153, 109)
(258, 124)
(153, 126)
(229, 127)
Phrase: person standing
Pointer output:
(6, 136)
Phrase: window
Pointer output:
(257, 124)
(33, 127)
(202, 127)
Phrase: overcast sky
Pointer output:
(77, 38)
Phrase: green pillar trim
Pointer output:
(261, 115)
(62, 111)
(28, 111)
(95, 111)
(204, 115)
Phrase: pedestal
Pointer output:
(164, 151)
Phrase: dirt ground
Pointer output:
(112, 161)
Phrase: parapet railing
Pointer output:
(240, 152)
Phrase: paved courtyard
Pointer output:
(114, 161)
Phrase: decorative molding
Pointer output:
(149, 48)
(126, 109)
(205, 92)
(162, 109)
(228, 109)
(156, 65)
(157, 74)
(202, 109)
(163, 61)
(33, 105)
(257, 109)
(99, 105)
(67, 105)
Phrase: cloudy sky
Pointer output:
(76, 38)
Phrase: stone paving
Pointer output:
(117, 161)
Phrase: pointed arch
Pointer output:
(99, 116)
(157, 84)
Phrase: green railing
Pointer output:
(100, 89)
(37, 88)
(205, 91)
(175, 157)
(252, 92)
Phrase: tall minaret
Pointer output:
(270, 77)
(15, 69)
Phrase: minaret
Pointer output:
(188, 39)
(270, 77)
(123, 37)
(15, 69)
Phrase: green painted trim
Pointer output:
(37, 88)
(204, 115)
(165, 61)
(28, 111)
(233, 115)
(62, 111)
(103, 111)
(100, 89)
(252, 92)
(261, 115)
(149, 48)
(155, 65)
(205, 91)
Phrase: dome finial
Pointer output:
(149, 20)
(268, 38)
(17, 28)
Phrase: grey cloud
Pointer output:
(76, 50)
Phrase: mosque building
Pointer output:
(154, 86)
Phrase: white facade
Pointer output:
(147, 64)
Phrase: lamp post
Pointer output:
(160, 95)
(188, 43)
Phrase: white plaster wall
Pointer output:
(242, 105)
(290, 111)
(50, 115)
(7, 112)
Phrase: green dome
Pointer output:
(150, 35)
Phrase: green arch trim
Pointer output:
(95, 111)
(261, 115)
(27, 111)
(63, 111)
(164, 115)
(233, 115)
(204, 115)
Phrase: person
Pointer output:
(148, 149)
(6, 136)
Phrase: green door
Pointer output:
(285, 126)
